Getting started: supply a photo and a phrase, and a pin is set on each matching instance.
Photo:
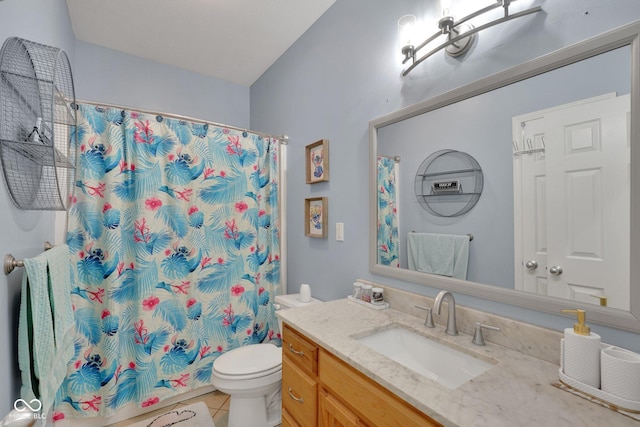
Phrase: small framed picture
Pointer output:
(316, 217)
(318, 161)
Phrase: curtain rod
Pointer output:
(284, 139)
(394, 158)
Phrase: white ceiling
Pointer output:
(232, 40)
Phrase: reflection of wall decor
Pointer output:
(448, 183)
(318, 161)
(315, 217)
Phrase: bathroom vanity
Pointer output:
(320, 389)
(331, 378)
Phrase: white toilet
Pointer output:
(252, 376)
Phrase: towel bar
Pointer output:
(10, 262)
(468, 234)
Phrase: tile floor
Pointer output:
(216, 401)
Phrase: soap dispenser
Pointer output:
(581, 352)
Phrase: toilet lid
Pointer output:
(255, 360)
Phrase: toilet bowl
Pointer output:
(252, 376)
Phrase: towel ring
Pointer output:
(10, 262)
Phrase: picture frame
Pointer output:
(317, 163)
(316, 217)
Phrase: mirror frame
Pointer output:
(628, 35)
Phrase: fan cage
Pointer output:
(38, 143)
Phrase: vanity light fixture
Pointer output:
(459, 34)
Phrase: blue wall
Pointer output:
(106, 75)
(345, 71)
(24, 232)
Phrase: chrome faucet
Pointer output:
(452, 329)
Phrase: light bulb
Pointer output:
(445, 7)
(406, 30)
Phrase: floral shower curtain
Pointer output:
(174, 238)
(388, 241)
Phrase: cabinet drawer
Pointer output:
(299, 394)
(372, 402)
(300, 350)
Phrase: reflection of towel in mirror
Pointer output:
(443, 254)
(46, 327)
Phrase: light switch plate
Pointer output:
(340, 231)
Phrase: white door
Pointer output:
(531, 208)
(579, 225)
(588, 207)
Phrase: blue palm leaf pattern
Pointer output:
(94, 117)
(88, 325)
(174, 218)
(222, 275)
(172, 312)
(115, 116)
(175, 245)
(126, 389)
(226, 189)
(250, 299)
(181, 130)
(75, 240)
(203, 374)
(89, 218)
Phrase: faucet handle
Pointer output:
(429, 320)
(477, 336)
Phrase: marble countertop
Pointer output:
(517, 391)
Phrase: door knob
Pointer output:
(531, 265)
(556, 270)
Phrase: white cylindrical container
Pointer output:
(582, 357)
(357, 290)
(621, 373)
(305, 293)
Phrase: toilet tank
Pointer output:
(282, 302)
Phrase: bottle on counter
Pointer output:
(366, 293)
(581, 352)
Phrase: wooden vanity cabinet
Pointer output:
(318, 389)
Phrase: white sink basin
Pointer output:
(438, 362)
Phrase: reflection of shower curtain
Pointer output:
(174, 237)
(388, 240)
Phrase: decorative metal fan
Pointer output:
(37, 124)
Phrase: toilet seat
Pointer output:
(251, 361)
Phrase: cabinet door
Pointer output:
(332, 413)
(287, 420)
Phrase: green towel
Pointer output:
(46, 326)
(443, 254)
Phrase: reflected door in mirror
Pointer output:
(581, 247)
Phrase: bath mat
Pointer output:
(195, 415)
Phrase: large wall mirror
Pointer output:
(557, 224)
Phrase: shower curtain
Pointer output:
(388, 240)
(174, 239)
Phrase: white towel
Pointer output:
(443, 254)
(46, 328)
